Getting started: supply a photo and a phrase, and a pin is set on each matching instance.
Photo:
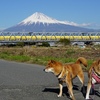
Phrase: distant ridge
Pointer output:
(39, 22)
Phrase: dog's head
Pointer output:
(97, 66)
(54, 67)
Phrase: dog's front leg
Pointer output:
(61, 89)
(88, 90)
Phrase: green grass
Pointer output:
(44, 60)
(37, 59)
(29, 55)
(21, 58)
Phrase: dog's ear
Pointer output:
(52, 61)
(98, 61)
(99, 64)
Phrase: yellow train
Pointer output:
(20, 38)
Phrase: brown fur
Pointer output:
(66, 72)
(96, 67)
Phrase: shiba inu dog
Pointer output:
(94, 76)
(67, 72)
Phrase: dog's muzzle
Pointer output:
(44, 70)
(49, 70)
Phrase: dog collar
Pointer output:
(60, 74)
(95, 76)
(62, 79)
(96, 73)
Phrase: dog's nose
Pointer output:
(43, 69)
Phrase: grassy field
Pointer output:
(41, 55)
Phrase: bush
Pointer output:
(64, 41)
(21, 44)
(45, 44)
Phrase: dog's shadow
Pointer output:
(97, 93)
(56, 90)
(65, 90)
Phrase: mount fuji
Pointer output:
(38, 22)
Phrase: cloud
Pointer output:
(76, 24)
(85, 24)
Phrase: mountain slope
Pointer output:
(38, 22)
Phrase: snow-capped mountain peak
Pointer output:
(40, 18)
(38, 22)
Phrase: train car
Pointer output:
(20, 38)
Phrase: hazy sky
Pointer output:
(82, 12)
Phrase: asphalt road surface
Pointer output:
(20, 81)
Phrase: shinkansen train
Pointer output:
(32, 36)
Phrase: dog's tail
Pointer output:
(82, 60)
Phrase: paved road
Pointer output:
(20, 81)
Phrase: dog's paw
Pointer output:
(88, 99)
(59, 95)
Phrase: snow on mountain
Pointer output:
(40, 18)
(38, 22)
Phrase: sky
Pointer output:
(85, 13)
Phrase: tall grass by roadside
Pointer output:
(43, 55)
(31, 59)
(21, 58)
